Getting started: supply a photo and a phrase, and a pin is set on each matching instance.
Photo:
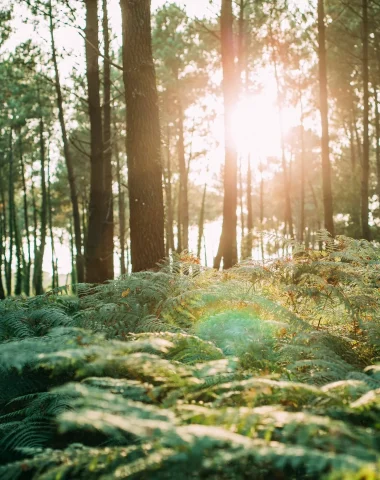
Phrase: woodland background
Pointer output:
(49, 134)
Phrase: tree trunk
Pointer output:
(355, 215)
(39, 252)
(241, 42)
(2, 245)
(108, 228)
(201, 221)
(262, 214)
(179, 221)
(121, 207)
(35, 230)
(11, 208)
(4, 232)
(168, 195)
(74, 279)
(50, 219)
(96, 271)
(377, 128)
(19, 255)
(68, 157)
(183, 174)
(303, 179)
(3, 240)
(227, 246)
(241, 198)
(27, 265)
(13, 225)
(249, 210)
(326, 166)
(146, 201)
(365, 164)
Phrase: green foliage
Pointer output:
(202, 375)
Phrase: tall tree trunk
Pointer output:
(262, 212)
(3, 219)
(108, 228)
(50, 220)
(96, 271)
(183, 174)
(365, 164)
(35, 231)
(146, 201)
(241, 42)
(11, 215)
(121, 207)
(377, 128)
(14, 226)
(169, 196)
(19, 255)
(241, 198)
(303, 179)
(227, 246)
(68, 158)
(28, 264)
(326, 166)
(3, 240)
(2, 247)
(39, 252)
(179, 221)
(84, 214)
(74, 279)
(355, 215)
(249, 210)
(201, 221)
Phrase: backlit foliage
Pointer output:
(267, 371)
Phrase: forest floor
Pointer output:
(266, 371)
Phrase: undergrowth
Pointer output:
(268, 371)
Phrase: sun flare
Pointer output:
(256, 126)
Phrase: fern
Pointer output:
(266, 371)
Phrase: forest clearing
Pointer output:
(189, 239)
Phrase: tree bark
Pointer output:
(50, 219)
(4, 232)
(227, 246)
(39, 252)
(3, 240)
(377, 129)
(68, 158)
(183, 181)
(303, 179)
(108, 228)
(241, 42)
(143, 145)
(96, 271)
(74, 279)
(121, 207)
(355, 215)
(365, 163)
(241, 198)
(262, 213)
(201, 221)
(323, 93)
(249, 210)
(10, 218)
(19, 255)
(169, 196)
(27, 265)
(2, 245)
